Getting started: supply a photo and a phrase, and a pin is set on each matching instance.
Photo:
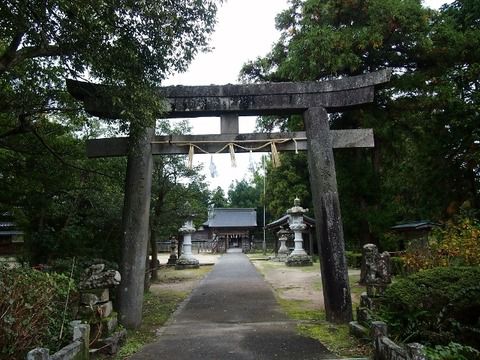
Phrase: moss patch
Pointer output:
(170, 275)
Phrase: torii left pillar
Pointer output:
(136, 212)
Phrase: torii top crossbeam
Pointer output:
(244, 99)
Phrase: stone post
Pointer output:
(331, 246)
(283, 250)
(186, 260)
(299, 256)
(172, 260)
(38, 354)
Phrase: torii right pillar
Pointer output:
(329, 230)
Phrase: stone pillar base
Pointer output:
(299, 260)
(186, 263)
(172, 260)
(279, 258)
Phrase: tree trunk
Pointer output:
(136, 212)
(333, 264)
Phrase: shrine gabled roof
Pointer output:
(231, 217)
(424, 225)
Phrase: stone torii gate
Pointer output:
(313, 100)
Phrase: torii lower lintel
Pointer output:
(176, 144)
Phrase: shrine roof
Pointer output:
(425, 225)
(231, 217)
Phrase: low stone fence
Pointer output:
(386, 349)
(378, 276)
(77, 350)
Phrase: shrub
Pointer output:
(354, 260)
(398, 265)
(456, 244)
(453, 351)
(31, 311)
(435, 306)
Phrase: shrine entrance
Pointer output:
(313, 100)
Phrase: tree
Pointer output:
(120, 43)
(426, 158)
(63, 213)
(243, 194)
(127, 45)
(217, 198)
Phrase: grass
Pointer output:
(312, 322)
(158, 306)
(314, 325)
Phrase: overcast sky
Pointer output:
(245, 30)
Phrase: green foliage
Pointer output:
(452, 351)
(398, 265)
(287, 182)
(436, 306)
(64, 209)
(243, 194)
(31, 304)
(66, 204)
(218, 198)
(455, 244)
(426, 156)
(354, 260)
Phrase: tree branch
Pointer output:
(9, 55)
(63, 161)
(30, 52)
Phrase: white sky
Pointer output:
(245, 31)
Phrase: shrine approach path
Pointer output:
(232, 314)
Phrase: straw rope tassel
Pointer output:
(251, 164)
(191, 151)
(296, 146)
(213, 168)
(275, 157)
(232, 155)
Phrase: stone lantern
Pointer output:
(172, 260)
(186, 260)
(298, 257)
(283, 250)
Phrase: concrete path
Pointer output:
(232, 314)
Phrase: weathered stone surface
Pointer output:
(73, 351)
(112, 344)
(247, 99)
(336, 288)
(358, 330)
(94, 296)
(96, 277)
(187, 263)
(378, 270)
(172, 145)
(105, 309)
(299, 260)
(38, 354)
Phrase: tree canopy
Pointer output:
(426, 160)
(66, 203)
